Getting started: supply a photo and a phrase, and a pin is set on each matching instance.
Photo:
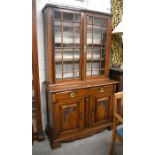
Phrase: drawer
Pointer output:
(69, 94)
(100, 89)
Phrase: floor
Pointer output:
(98, 144)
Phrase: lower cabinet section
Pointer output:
(79, 113)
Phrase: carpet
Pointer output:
(97, 144)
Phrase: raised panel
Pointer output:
(69, 117)
(102, 109)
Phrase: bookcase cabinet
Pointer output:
(78, 89)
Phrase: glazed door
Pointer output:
(96, 50)
(102, 109)
(67, 37)
(71, 116)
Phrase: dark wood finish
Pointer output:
(117, 74)
(38, 135)
(118, 118)
(78, 107)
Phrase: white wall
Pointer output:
(98, 5)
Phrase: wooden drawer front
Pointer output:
(68, 94)
(100, 89)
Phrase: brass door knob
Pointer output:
(72, 95)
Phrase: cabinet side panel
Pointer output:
(48, 45)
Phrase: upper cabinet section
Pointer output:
(77, 44)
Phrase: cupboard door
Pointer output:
(71, 115)
(96, 41)
(67, 36)
(102, 109)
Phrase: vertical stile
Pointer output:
(85, 45)
(92, 45)
(101, 52)
(62, 43)
(73, 41)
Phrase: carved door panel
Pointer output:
(102, 109)
(71, 115)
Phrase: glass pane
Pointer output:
(101, 21)
(88, 68)
(76, 34)
(58, 76)
(57, 15)
(95, 72)
(96, 65)
(68, 75)
(103, 58)
(76, 55)
(89, 54)
(104, 38)
(70, 55)
(76, 74)
(67, 33)
(88, 73)
(57, 31)
(105, 22)
(98, 21)
(77, 18)
(89, 35)
(96, 54)
(58, 68)
(97, 35)
(68, 16)
(89, 20)
(68, 67)
(76, 67)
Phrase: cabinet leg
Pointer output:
(110, 127)
(55, 144)
(41, 136)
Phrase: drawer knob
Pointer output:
(101, 90)
(72, 95)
